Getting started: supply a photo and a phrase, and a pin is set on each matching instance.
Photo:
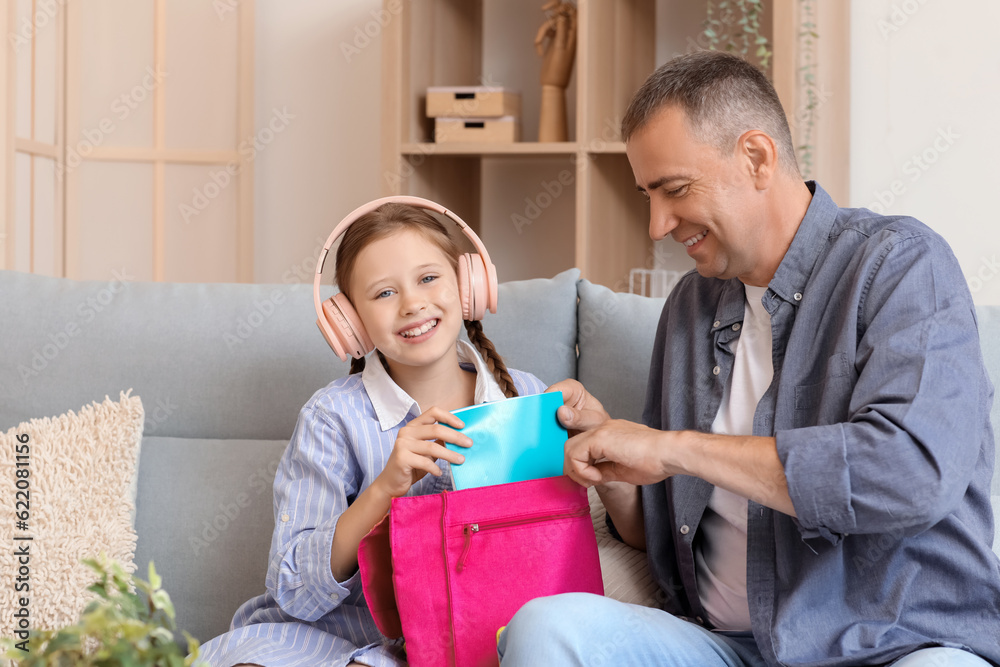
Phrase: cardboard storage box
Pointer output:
(506, 129)
(472, 102)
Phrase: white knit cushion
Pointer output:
(625, 569)
(80, 501)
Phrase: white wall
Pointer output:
(925, 100)
(318, 60)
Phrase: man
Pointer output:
(811, 482)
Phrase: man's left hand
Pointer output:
(618, 451)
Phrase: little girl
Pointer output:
(365, 439)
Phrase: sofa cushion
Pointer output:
(69, 481)
(205, 515)
(213, 360)
(616, 334)
(217, 360)
(624, 569)
(549, 305)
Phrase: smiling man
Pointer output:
(811, 478)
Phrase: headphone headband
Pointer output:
(482, 297)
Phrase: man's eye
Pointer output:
(677, 192)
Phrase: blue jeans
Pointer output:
(585, 629)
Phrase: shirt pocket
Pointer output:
(826, 401)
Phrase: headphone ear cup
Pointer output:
(473, 286)
(347, 327)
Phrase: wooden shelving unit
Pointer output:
(540, 207)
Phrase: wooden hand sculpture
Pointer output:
(556, 44)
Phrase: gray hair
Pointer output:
(722, 96)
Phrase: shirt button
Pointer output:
(716, 370)
(334, 596)
(736, 327)
(685, 529)
(716, 323)
(797, 296)
(700, 620)
(284, 517)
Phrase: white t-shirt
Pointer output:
(721, 551)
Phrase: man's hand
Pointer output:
(589, 423)
(617, 451)
(581, 411)
(600, 449)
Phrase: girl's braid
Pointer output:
(492, 358)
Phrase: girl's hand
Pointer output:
(418, 445)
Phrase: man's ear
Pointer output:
(760, 154)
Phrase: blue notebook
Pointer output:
(512, 441)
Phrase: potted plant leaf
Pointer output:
(130, 624)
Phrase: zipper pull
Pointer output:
(469, 529)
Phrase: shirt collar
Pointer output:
(810, 239)
(392, 404)
(790, 279)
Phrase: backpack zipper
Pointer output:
(470, 529)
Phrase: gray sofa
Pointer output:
(222, 371)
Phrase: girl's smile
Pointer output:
(421, 331)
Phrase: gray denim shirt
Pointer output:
(880, 407)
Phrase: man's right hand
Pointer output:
(580, 411)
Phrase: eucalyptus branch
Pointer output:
(735, 26)
(807, 84)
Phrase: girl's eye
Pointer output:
(427, 279)
(384, 294)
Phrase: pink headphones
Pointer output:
(339, 322)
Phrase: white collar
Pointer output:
(392, 404)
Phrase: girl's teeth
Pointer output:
(690, 242)
(420, 330)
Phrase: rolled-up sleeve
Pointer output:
(311, 490)
(914, 398)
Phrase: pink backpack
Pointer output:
(447, 571)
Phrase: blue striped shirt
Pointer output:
(342, 441)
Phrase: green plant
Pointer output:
(121, 628)
(735, 26)
(807, 83)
